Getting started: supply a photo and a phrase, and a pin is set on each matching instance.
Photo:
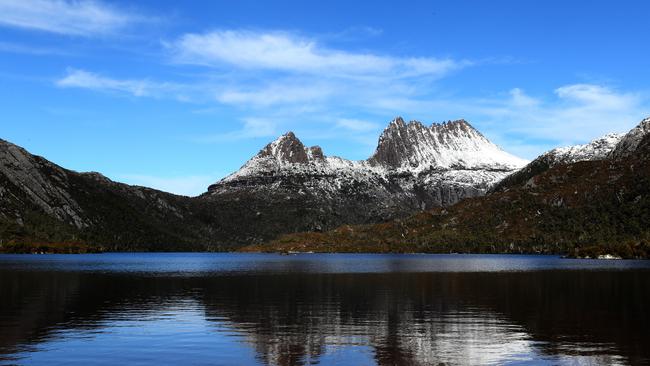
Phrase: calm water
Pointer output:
(248, 309)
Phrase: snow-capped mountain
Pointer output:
(598, 149)
(414, 167)
(403, 148)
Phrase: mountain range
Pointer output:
(586, 201)
(287, 188)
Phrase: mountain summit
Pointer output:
(405, 148)
(288, 149)
(441, 145)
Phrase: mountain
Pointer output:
(285, 188)
(413, 168)
(588, 207)
(455, 145)
(598, 149)
(42, 202)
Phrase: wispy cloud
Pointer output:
(284, 77)
(139, 88)
(252, 127)
(282, 80)
(275, 94)
(30, 50)
(575, 114)
(79, 18)
(356, 124)
(283, 51)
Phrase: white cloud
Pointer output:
(291, 81)
(577, 114)
(275, 94)
(356, 124)
(139, 88)
(520, 99)
(186, 185)
(523, 124)
(596, 96)
(80, 18)
(282, 51)
(253, 127)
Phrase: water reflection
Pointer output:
(558, 316)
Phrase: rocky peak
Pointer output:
(631, 140)
(289, 149)
(458, 128)
(285, 149)
(452, 143)
(396, 143)
(286, 154)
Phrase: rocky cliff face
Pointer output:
(31, 179)
(450, 145)
(631, 141)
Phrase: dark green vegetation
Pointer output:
(43, 207)
(588, 208)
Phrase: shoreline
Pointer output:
(605, 257)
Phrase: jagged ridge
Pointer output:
(404, 148)
(453, 144)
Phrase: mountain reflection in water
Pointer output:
(54, 313)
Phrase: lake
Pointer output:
(343, 309)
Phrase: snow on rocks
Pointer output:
(597, 149)
(414, 147)
(440, 164)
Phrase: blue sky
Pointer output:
(176, 95)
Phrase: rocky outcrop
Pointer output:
(629, 143)
(40, 183)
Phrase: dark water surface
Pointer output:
(257, 309)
